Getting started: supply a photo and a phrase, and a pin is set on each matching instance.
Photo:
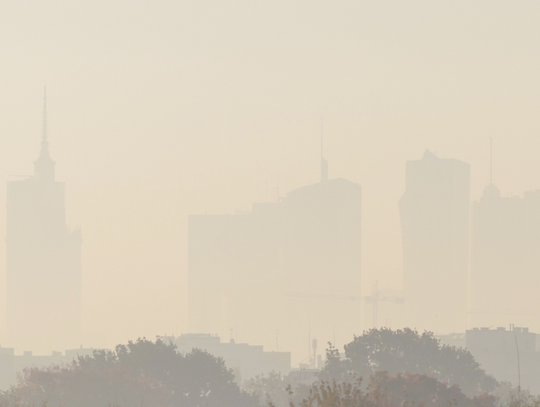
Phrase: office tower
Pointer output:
(321, 260)
(505, 259)
(284, 267)
(43, 262)
(233, 264)
(434, 213)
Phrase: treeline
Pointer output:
(390, 368)
(381, 368)
(141, 373)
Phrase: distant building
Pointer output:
(11, 364)
(505, 259)
(434, 213)
(457, 340)
(233, 263)
(303, 376)
(497, 352)
(247, 361)
(43, 262)
(280, 267)
(321, 227)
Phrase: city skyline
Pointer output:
(160, 111)
(44, 172)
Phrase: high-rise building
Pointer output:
(505, 259)
(43, 262)
(321, 260)
(434, 213)
(233, 264)
(280, 269)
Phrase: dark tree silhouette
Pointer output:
(421, 390)
(407, 351)
(141, 373)
(384, 390)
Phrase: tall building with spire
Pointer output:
(43, 262)
(283, 269)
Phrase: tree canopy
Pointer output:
(141, 373)
(384, 390)
(407, 351)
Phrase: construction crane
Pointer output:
(374, 299)
(324, 296)
(521, 313)
(19, 175)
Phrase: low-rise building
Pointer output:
(12, 364)
(509, 355)
(246, 360)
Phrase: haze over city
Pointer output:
(160, 114)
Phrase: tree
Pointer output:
(270, 389)
(407, 351)
(275, 390)
(421, 390)
(384, 390)
(141, 373)
(338, 394)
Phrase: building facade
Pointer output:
(271, 275)
(43, 263)
(505, 259)
(247, 361)
(509, 355)
(434, 212)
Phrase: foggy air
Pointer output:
(269, 203)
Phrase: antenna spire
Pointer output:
(44, 165)
(324, 163)
(491, 161)
(44, 136)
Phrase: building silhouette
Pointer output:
(247, 361)
(282, 267)
(43, 262)
(434, 212)
(233, 264)
(505, 259)
(321, 259)
(496, 351)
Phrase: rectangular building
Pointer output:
(505, 259)
(272, 275)
(434, 213)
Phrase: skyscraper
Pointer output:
(321, 260)
(43, 262)
(434, 213)
(505, 259)
(285, 266)
(233, 264)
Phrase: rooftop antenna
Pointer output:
(324, 163)
(44, 136)
(519, 370)
(309, 347)
(491, 161)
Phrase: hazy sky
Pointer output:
(160, 109)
